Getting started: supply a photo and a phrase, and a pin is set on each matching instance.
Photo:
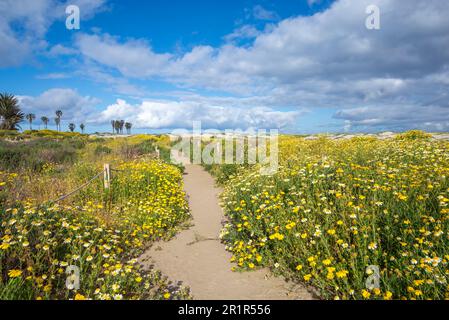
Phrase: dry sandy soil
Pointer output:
(198, 259)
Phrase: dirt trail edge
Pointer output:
(198, 259)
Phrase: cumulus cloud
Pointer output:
(60, 50)
(15, 47)
(242, 33)
(24, 24)
(53, 76)
(156, 114)
(312, 2)
(393, 77)
(397, 118)
(115, 84)
(260, 13)
(330, 45)
(74, 106)
(133, 58)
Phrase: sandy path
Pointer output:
(199, 260)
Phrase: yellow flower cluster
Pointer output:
(102, 237)
(336, 207)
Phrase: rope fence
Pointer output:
(106, 178)
(78, 189)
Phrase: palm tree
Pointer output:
(117, 126)
(58, 115)
(122, 123)
(128, 127)
(45, 121)
(113, 126)
(82, 126)
(10, 113)
(30, 117)
(72, 127)
(57, 122)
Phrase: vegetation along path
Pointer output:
(198, 259)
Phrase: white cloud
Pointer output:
(16, 47)
(8, 43)
(244, 32)
(260, 13)
(116, 85)
(24, 24)
(332, 45)
(155, 114)
(74, 106)
(398, 118)
(133, 58)
(387, 77)
(60, 50)
(53, 76)
(313, 2)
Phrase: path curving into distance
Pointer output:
(198, 259)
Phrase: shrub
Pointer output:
(52, 134)
(33, 154)
(100, 150)
(102, 232)
(9, 133)
(414, 135)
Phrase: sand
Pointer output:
(197, 258)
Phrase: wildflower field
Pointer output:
(336, 207)
(336, 210)
(100, 231)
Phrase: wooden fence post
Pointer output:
(107, 176)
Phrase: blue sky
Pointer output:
(301, 66)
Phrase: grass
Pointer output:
(336, 207)
(101, 231)
(34, 154)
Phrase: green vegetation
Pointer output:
(336, 207)
(100, 231)
(10, 114)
